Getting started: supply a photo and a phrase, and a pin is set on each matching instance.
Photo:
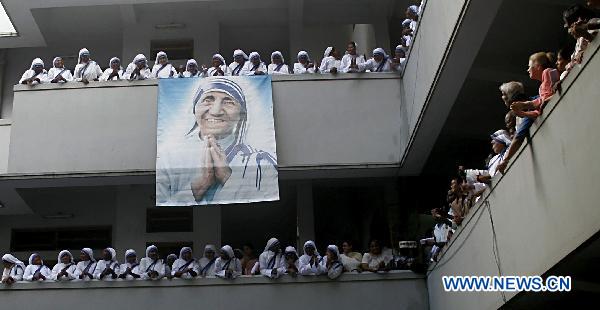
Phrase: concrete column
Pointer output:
(305, 214)
(364, 36)
(296, 37)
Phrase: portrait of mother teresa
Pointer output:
(212, 163)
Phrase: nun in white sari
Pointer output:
(108, 268)
(310, 262)
(36, 270)
(185, 267)
(162, 69)
(86, 266)
(152, 267)
(138, 69)
(254, 66)
(58, 73)
(272, 262)
(36, 73)
(291, 261)
(380, 62)
(239, 59)
(130, 269)
(213, 163)
(207, 262)
(227, 265)
(332, 262)
(304, 65)
(13, 269)
(86, 69)
(277, 65)
(65, 269)
(114, 72)
(330, 62)
(219, 67)
(191, 69)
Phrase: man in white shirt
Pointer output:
(351, 61)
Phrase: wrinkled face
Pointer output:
(255, 60)
(162, 60)
(85, 58)
(106, 255)
(303, 59)
(239, 59)
(247, 250)
(187, 255)
(277, 59)
(210, 254)
(378, 57)
(131, 258)
(58, 63)
(351, 49)
(153, 254)
(65, 259)
(37, 260)
(346, 247)
(115, 65)
(561, 63)
(310, 250)
(534, 70)
(217, 114)
(374, 248)
(216, 62)
(84, 256)
(497, 147)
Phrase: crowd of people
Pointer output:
(228, 263)
(550, 69)
(139, 68)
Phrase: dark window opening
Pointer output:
(175, 49)
(169, 219)
(56, 239)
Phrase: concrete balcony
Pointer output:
(544, 210)
(395, 290)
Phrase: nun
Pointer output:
(86, 266)
(130, 269)
(228, 266)
(331, 61)
(86, 69)
(13, 269)
(304, 65)
(108, 268)
(407, 32)
(380, 62)
(65, 269)
(207, 262)
(219, 67)
(36, 73)
(171, 258)
(310, 263)
(399, 59)
(162, 69)
(191, 69)
(271, 261)
(36, 270)
(138, 69)
(254, 66)
(185, 267)
(332, 262)
(114, 72)
(291, 261)
(58, 73)
(152, 267)
(277, 65)
(212, 161)
(351, 62)
(239, 59)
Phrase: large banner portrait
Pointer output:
(215, 141)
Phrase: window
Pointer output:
(57, 239)
(169, 219)
(175, 49)
(7, 29)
